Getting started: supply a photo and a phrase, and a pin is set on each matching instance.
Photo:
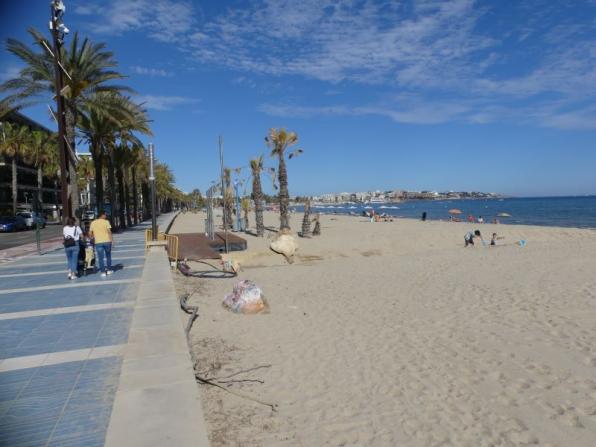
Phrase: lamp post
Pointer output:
(153, 198)
(58, 31)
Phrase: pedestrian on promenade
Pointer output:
(101, 231)
(72, 233)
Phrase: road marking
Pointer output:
(37, 264)
(70, 285)
(62, 272)
(65, 310)
(55, 358)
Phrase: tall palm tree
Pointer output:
(89, 67)
(15, 142)
(256, 166)
(279, 140)
(137, 157)
(43, 150)
(109, 120)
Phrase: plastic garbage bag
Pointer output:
(246, 298)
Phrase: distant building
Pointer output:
(27, 186)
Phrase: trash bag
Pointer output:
(246, 298)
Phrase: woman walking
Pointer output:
(72, 234)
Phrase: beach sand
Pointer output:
(394, 334)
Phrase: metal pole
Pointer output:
(223, 190)
(61, 118)
(153, 198)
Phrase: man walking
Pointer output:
(101, 231)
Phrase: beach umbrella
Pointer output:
(503, 215)
(455, 211)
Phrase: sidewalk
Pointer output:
(62, 344)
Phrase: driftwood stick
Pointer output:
(235, 393)
(245, 371)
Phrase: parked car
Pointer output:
(89, 215)
(31, 219)
(12, 223)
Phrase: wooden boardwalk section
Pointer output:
(197, 246)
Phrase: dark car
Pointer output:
(11, 223)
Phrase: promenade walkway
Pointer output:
(61, 345)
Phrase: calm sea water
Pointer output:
(577, 212)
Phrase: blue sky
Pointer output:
(419, 94)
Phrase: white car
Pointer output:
(89, 215)
(31, 219)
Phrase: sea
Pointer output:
(576, 212)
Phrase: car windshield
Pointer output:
(25, 215)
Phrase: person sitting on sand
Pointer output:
(494, 239)
(469, 237)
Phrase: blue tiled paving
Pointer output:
(54, 264)
(76, 296)
(68, 404)
(63, 332)
(16, 282)
(60, 405)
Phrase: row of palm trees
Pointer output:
(98, 112)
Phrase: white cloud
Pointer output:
(150, 71)
(157, 102)
(163, 20)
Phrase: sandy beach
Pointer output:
(394, 334)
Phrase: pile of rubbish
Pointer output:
(246, 298)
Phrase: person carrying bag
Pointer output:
(72, 234)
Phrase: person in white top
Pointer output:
(72, 233)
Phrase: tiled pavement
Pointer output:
(61, 344)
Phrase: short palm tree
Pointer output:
(228, 198)
(256, 167)
(14, 144)
(279, 140)
(306, 220)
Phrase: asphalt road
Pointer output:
(8, 240)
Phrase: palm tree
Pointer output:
(110, 120)
(306, 220)
(137, 157)
(256, 166)
(89, 67)
(43, 150)
(228, 198)
(16, 141)
(279, 140)
(85, 173)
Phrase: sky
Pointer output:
(495, 96)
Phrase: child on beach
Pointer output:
(469, 237)
(494, 239)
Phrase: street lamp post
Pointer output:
(58, 30)
(153, 198)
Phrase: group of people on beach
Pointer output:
(97, 239)
(470, 236)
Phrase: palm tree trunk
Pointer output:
(306, 220)
(98, 165)
(121, 198)
(257, 196)
(112, 190)
(39, 186)
(284, 196)
(14, 185)
(135, 205)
